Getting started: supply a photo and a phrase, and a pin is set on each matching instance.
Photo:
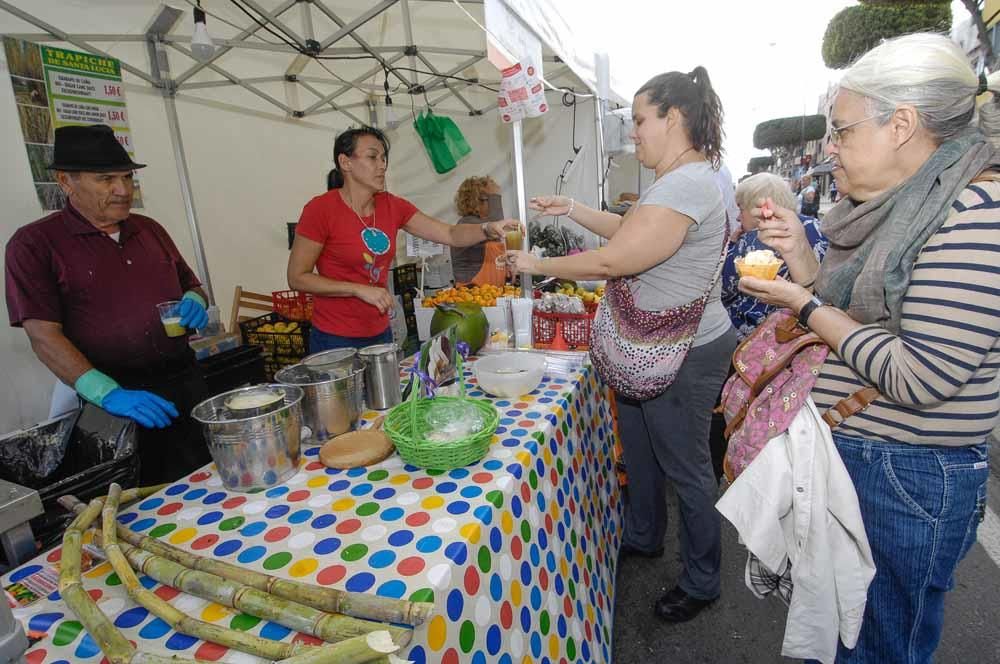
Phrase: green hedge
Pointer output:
(856, 30)
(789, 131)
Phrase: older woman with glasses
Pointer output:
(908, 297)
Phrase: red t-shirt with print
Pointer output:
(353, 251)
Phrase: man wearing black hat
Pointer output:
(84, 283)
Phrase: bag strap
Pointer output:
(988, 175)
(851, 405)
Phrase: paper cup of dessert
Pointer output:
(762, 264)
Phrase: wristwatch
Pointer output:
(806, 311)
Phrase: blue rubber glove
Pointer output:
(192, 311)
(146, 408)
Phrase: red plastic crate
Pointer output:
(575, 329)
(292, 304)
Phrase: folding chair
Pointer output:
(248, 300)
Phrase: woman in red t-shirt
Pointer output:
(346, 239)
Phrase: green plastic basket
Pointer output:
(400, 424)
(401, 427)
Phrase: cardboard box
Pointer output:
(208, 346)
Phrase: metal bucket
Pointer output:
(254, 452)
(333, 397)
(381, 375)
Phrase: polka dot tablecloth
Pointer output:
(517, 552)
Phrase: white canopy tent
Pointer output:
(237, 145)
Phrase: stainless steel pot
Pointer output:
(253, 452)
(332, 399)
(381, 375)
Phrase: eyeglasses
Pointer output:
(837, 133)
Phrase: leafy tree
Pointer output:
(783, 132)
(759, 164)
(857, 29)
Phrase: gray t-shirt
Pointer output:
(691, 190)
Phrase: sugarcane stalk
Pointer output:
(352, 651)
(115, 646)
(150, 658)
(176, 619)
(330, 600)
(302, 618)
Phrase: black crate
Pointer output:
(280, 349)
(404, 277)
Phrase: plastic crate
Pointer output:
(575, 329)
(292, 304)
(281, 349)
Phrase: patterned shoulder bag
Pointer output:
(637, 352)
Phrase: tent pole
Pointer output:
(602, 71)
(527, 289)
(184, 178)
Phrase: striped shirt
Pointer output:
(938, 377)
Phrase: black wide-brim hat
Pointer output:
(92, 148)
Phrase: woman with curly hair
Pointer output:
(478, 200)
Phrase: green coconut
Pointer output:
(470, 323)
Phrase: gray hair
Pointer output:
(764, 185)
(925, 70)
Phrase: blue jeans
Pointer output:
(921, 506)
(320, 340)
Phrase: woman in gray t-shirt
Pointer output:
(668, 248)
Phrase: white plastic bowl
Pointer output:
(509, 374)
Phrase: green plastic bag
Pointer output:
(434, 142)
(453, 136)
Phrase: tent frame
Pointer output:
(157, 38)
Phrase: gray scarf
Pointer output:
(873, 245)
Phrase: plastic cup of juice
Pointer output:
(514, 240)
(171, 318)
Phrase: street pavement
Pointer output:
(742, 629)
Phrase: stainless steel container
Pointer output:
(332, 360)
(381, 375)
(333, 396)
(253, 452)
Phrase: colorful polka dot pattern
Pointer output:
(516, 551)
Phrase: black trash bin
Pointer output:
(80, 453)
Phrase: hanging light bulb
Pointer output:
(390, 115)
(391, 122)
(372, 113)
(201, 44)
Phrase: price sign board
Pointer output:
(56, 87)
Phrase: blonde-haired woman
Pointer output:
(478, 201)
(745, 311)
(908, 296)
